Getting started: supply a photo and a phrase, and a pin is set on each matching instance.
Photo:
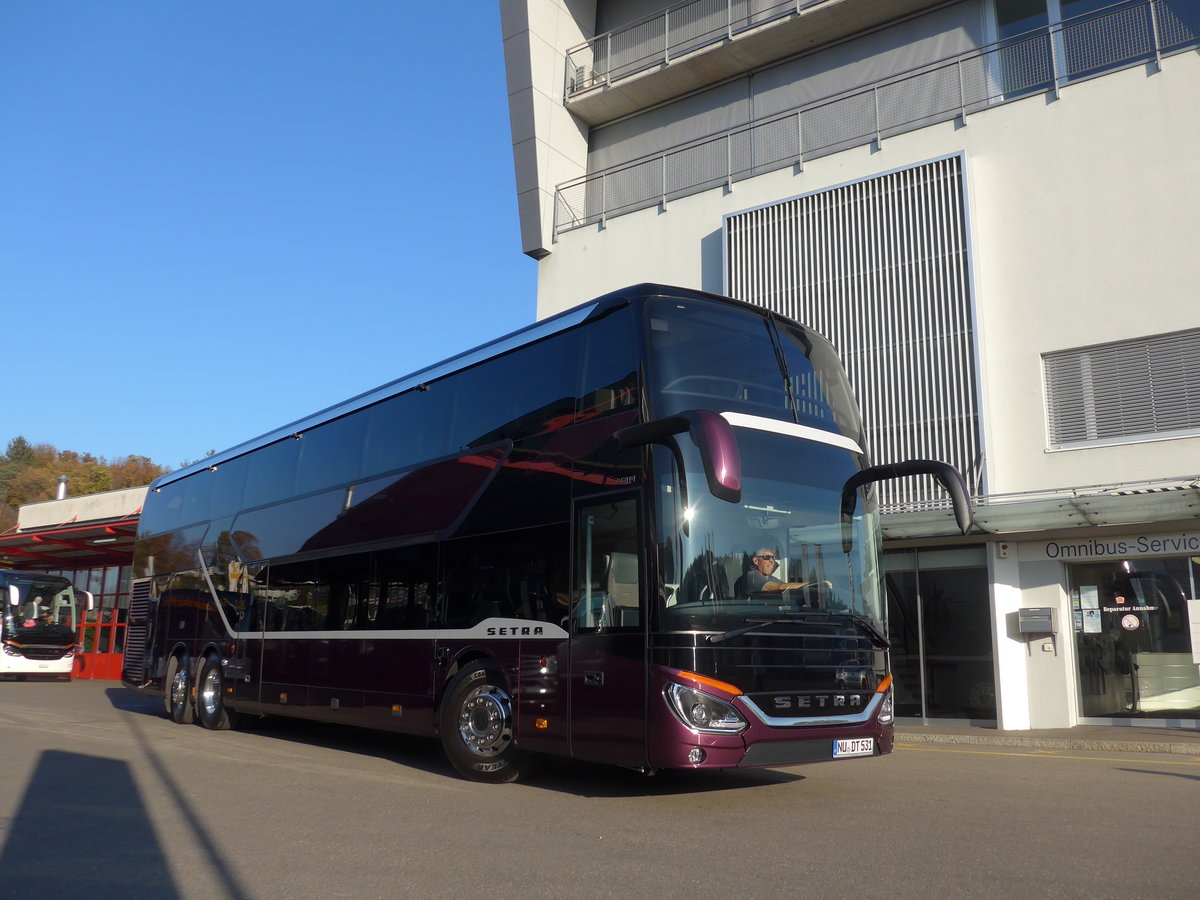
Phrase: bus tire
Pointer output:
(211, 711)
(178, 695)
(476, 726)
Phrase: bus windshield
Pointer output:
(40, 606)
(778, 553)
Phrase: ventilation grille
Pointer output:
(880, 268)
(133, 666)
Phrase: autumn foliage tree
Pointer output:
(29, 473)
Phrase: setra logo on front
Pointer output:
(817, 701)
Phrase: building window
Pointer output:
(1084, 37)
(1131, 390)
(1133, 621)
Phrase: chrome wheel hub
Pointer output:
(179, 689)
(210, 692)
(485, 721)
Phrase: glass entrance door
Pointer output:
(939, 626)
(1133, 637)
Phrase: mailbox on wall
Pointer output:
(1037, 620)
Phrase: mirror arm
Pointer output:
(947, 476)
(710, 433)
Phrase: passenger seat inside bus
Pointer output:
(623, 588)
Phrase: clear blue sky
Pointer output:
(217, 216)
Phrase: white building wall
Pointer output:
(549, 144)
(1012, 676)
(1083, 212)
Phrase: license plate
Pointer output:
(854, 747)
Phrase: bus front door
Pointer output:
(607, 625)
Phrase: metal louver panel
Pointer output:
(880, 268)
(1138, 388)
(134, 662)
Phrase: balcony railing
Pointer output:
(1036, 62)
(654, 41)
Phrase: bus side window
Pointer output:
(517, 575)
(608, 596)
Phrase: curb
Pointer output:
(1182, 748)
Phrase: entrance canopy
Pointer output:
(70, 546)
(1173, 501)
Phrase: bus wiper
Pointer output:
(864, 625)
(754, 625)
(861, 622)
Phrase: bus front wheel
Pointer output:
(476, 726)
(210, 697)
(179, 691)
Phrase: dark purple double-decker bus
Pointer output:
(642, 532)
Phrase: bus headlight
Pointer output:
(887, 712)
(701, 712)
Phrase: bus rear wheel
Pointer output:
(179, 691)
(210, 697)
(476, 726)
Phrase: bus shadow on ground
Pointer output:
(62, 835)
(595, 780)
(582, 779)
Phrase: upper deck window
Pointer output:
(706, 355)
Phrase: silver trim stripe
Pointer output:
(777, 722)
(791, 429)
(488, 629)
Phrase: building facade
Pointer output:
(989, 207)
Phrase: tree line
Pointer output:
(29, 473)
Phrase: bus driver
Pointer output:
(762, 577)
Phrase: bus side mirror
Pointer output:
(14, 596)
(948, 477)
(91, 600)
(711, 434)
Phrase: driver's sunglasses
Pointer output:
(767, 556)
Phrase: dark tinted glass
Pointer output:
(404, 591)
(904, 632)
(174, 551)
(163, 509)
(272, 475)
(298, 600)
(426, 500)
(407, 430)
(287, 528)
(332, 453)
(820, 391)
(521, 574)
(524, 393)
(1015, 17)
(707, 356)
(610, 366)
(197, 496)
(530, 488)
(229, 481)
